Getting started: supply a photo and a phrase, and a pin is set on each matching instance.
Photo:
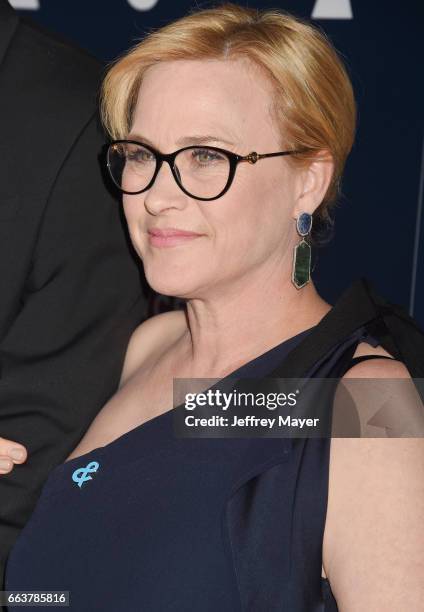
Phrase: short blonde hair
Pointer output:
(314, 104)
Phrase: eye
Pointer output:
(207, 156)
(139, 155)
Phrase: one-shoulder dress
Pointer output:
(188, 525)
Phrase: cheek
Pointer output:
(256, 222)
(272, 209)
(133, 211)
(131, 206)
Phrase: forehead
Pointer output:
(231, 97)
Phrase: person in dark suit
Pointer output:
(70, 290)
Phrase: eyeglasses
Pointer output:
(203, 173)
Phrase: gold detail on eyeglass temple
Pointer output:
(252, 158)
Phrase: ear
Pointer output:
(313, 182)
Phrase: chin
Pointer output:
(173, 282)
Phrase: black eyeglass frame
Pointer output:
(233, 158)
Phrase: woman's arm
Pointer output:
(373, 548)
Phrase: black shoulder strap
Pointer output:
(360, 307)
(395, 328)
(351, 311)
(360, 358)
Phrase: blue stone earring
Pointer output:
(301, 273)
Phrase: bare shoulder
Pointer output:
(373, 550)
(150, 338)
(376, 368)
(121, 412)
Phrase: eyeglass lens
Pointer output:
(202, 171)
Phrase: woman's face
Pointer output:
(250, 229)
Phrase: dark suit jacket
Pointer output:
(70, 292)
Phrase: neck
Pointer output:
(243, 320)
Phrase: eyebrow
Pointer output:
(195, 139)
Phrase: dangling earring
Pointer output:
(301, 273)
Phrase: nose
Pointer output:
(164, 193)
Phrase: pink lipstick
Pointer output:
(170, 236)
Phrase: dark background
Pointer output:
(379, 231)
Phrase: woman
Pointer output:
(138, 519)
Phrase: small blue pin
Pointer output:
(82, 475)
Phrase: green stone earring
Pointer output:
(301, 273)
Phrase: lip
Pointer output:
(170, 236)
(171, 231)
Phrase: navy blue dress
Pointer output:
(178, 525)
